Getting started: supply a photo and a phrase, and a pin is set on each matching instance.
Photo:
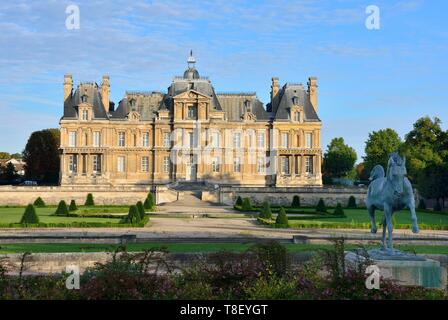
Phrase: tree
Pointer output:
(39, 202)
(295, 202)
(246, 205)
(379, 146)
(72, 206)
(10, 172)
(266, 212)
(61, 210)
(432, 182)
(338, 211)
(5, 155)
(361, 172)
(351, 202)
(423, 145)
(321, 206)
(16, 156)
(41, 156)
(133, 216)
(29, 216)
(149, 202)
(89, 200)
(339, 159)
(239, 201)
(141, 209)
(282, 218)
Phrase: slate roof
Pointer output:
(234, 107)
(286, 97)
(92, 91)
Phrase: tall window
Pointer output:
(72, 163)
(308, 140)
(297, 116)
(192, 112)
(121, 139)
(145, 164)
(120, 164)
(215, 140)
(309, 164)
(260, 139)
(285, 165)
(261, 165)
(86, 139)
(190, 139)
(166, 164)
(96, 163)
(237, 164)
(72, 139)
(166, 139)
(96, 139)
(145, 139)
(215, 164)
(85, 115)
(285, 139)
(237, 140)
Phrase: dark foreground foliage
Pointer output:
(263, 272)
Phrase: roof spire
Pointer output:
(191, 60)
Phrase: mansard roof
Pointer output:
(93, 97)
(234, 106)
(287, 95)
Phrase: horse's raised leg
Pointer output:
(383, 239)
(415, 228)
(388, 216)
(373, 228)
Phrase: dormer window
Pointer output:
(295, 100)
(133, 104)
(84, 98)
(85, 115)
(296, 116)
(247, 105)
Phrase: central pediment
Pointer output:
(191, 95)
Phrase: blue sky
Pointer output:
(368, 79)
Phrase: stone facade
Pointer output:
(190, 133)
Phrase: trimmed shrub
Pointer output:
(61, 209)
(133, 215)
(351, 202)
(421, 204)
(246, 206)
(29, 216)
(72, 206)
(338, 211)
(266, 212)
(239, 201)
(39, 202)
(141, 209)
(321, 206)
(89, 200)
(149, 202)
(282, 218)
(295, 202)
(437, 206)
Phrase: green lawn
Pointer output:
(14, 214)
(359, 218)
(189, 247)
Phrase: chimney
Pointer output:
(274, 93)
(105, 92)
(312, 91)
(68, 87)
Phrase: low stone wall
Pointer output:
(123, 195)
(309, 196)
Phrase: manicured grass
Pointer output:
(191, 247)
(359, 219)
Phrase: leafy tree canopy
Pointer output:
(339, 159)
(379, 146)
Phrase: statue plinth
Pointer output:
(407, 269)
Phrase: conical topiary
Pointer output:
(338, 211)
(239, 201)
(149, 202)
(266, 212)
(141, 209)
(133, 215)
(282, 219)
(39, 202)
(321, 206)
(89, 200)
(62, 209)
(246, 205)
(72, 206)
(351, 202)
(29, 216)
(295, 202)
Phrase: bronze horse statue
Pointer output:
(389, 193)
